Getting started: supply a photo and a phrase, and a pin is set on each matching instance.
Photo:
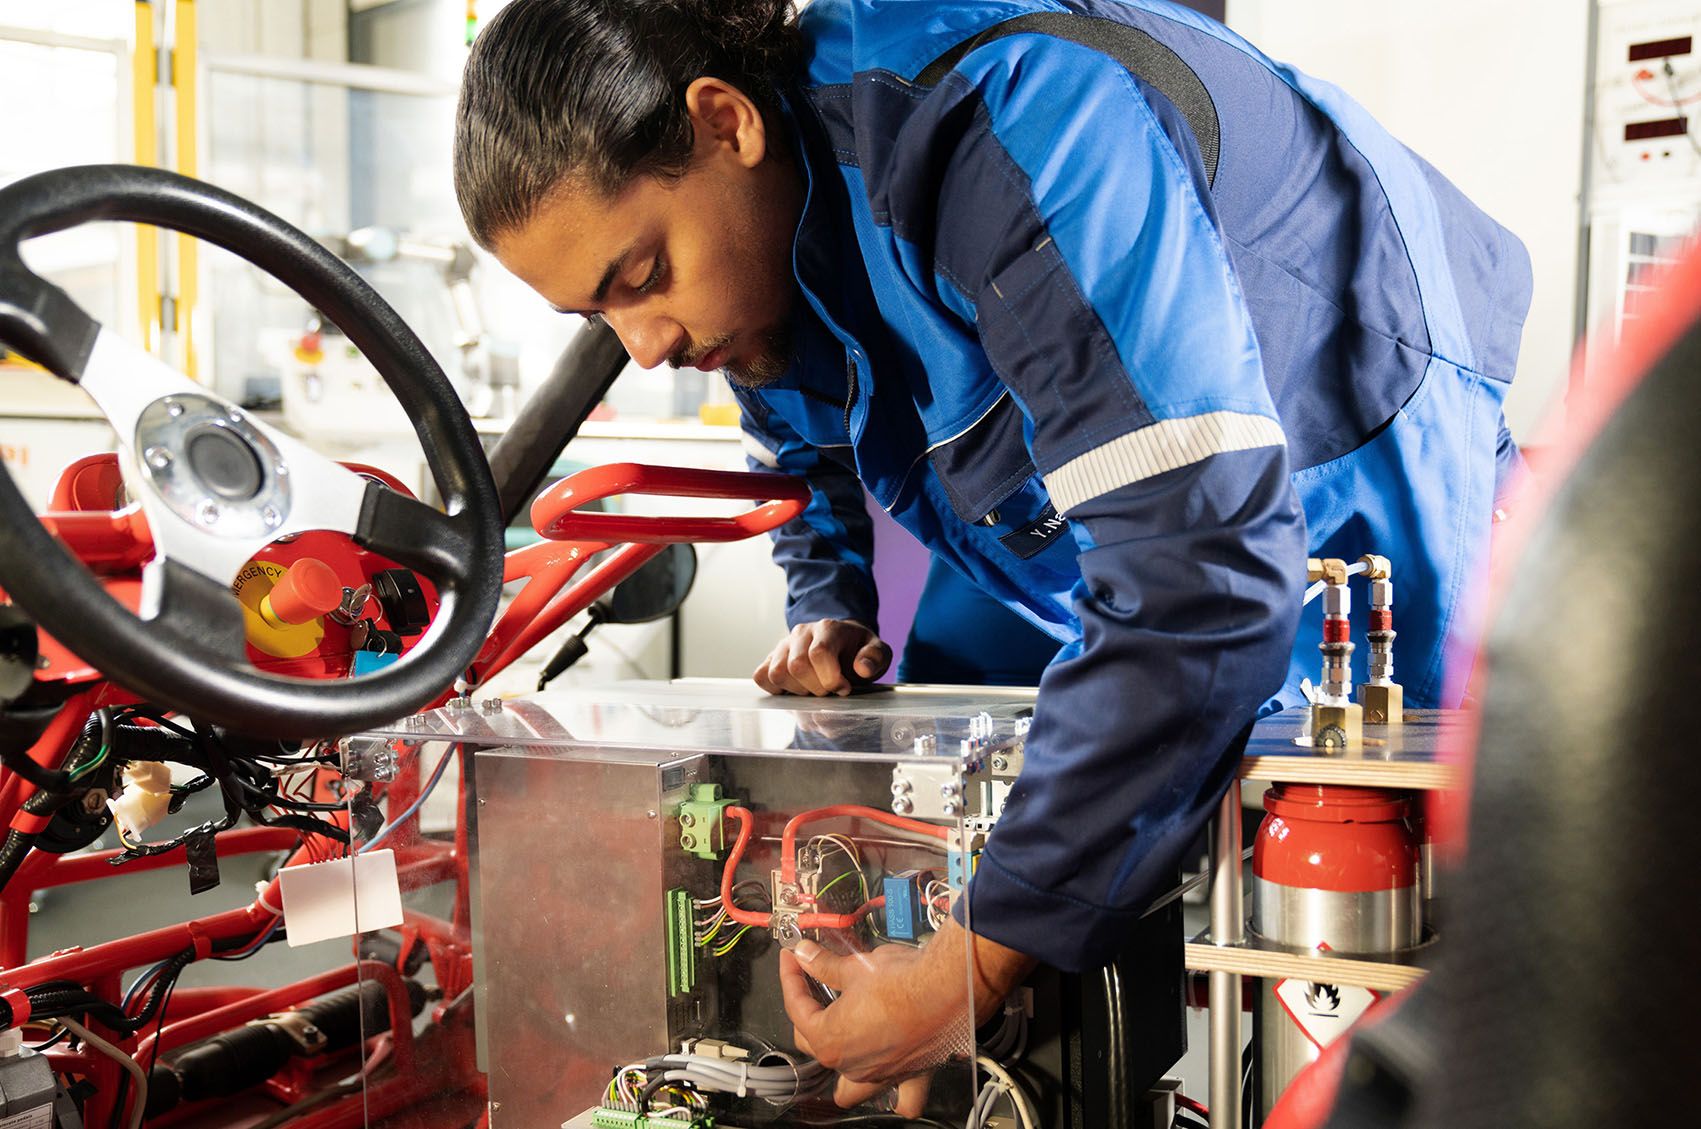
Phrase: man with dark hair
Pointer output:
(1120, 318)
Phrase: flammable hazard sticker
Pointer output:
(1323, 1011)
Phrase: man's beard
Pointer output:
(759, 371)
(768, 365)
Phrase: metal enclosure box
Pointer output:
(600, 836)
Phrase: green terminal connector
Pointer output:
(702, 822)
(681, 949)
(606, 1118)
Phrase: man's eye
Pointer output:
(655, 277)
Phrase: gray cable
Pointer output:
(140, 1105)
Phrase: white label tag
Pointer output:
(340, 898)
(41, 1117)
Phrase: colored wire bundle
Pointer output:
(419, 802)
(781, 1083)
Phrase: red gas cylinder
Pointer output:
(1333, 868)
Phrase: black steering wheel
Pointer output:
(218, 485)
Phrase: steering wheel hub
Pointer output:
(212, 467)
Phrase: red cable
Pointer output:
(840, 920)
(1188, 1103)
(788, 838)
(742, 916)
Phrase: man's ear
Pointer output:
(726, 120)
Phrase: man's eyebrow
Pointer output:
(608, 275)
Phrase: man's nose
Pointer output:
(650, 338)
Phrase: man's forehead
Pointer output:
(567, 248)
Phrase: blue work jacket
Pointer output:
(1124, 320)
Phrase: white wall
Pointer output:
(1489, 91)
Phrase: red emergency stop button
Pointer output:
(308, 590)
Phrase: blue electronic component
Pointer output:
(365, 662)
(903, 912)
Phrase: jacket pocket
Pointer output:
(984, 464)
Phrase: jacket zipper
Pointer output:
(850, 394)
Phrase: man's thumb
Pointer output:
(819, 963)
(873, 659)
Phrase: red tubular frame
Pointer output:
(557, 514)
(120, 541)
(575, 536)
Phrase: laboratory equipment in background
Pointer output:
(331, 393)
(1642, 185)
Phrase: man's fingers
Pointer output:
(826, 665)
(873, 659)
(764, 679)
(847, 1093)
(912, 1095)
(802, 1008)
(800, 666)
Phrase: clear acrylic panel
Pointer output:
(333, 160)
(606, 829)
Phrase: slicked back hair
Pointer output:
(592, 92)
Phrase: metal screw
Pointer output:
(688, 841)
(95, 801)
(490, 706)
(788, 893)
(650, 815)
(173, 408)
(901, 786)
(158, 457)
(901, 733)
(482, 801)
(281, 470)
(271, 517)
(494, 1106)
(42, 662)
(948, 807)
(901, 805)
(208, 512)
(686, 819)
(235, 416)
(999, 764)
(950, 790)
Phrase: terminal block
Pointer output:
(702, 826)
(681, 943)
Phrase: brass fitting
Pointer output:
(1376, 568)
(1331, 569)
(1384, 703)
(1338, 727)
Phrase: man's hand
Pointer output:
(899, 1012)
(821, 658)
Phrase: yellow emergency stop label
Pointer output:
(253, 584)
